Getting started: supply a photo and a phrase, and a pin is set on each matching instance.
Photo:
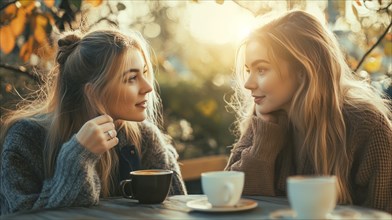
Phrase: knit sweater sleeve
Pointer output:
(23, 185)
(158, 153)
(374, 175)
(255, 155)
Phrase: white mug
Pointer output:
(312, 197)
(223, 188)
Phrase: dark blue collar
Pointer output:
(128, 156)
(129, 160)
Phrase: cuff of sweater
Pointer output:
(73, 167)
(268, 138)
(74, 151)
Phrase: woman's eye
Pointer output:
(131, 79)
(261, 70)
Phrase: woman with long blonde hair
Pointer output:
(95, 121)
(300, 111)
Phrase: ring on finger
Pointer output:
(111, 134)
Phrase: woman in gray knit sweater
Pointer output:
(308, 115)
(95, 122)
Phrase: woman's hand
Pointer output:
(98, 135)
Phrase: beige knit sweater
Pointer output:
(369, 149)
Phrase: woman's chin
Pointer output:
(134, 118)
(140, 119)
(264, 111)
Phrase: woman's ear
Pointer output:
(88, 91)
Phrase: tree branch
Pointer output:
(374, 46)
(21, 70)
(385, 8)
(103, 19)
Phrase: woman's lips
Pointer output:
(259, 99)
(142, 104)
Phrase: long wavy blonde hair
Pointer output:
(98, 58)
(317, 106)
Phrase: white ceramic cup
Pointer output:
(223, 188)
(312, 197)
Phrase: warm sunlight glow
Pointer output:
(317, 8)
(212, 23)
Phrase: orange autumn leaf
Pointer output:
(49, 3)
(25, 3)
(29, 6)
(8, 87)
(27, 49)
(94, 3)
(388, 36)
(10, 9)
(41, 20)
(23, 50)
(39, 31)
(18, 23)
(39, 34)
(7, 39)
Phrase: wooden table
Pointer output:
(175, 208)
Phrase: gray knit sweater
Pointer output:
(75, 181)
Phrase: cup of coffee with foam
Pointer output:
(147, 186)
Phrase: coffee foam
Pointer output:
(151, 172)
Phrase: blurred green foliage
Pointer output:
(195, 116)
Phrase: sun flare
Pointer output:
(212, 23)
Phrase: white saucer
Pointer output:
(205, 206)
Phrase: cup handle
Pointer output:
(122, 185)
(230, 191)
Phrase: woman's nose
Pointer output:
(250, 83)
(146, 86)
